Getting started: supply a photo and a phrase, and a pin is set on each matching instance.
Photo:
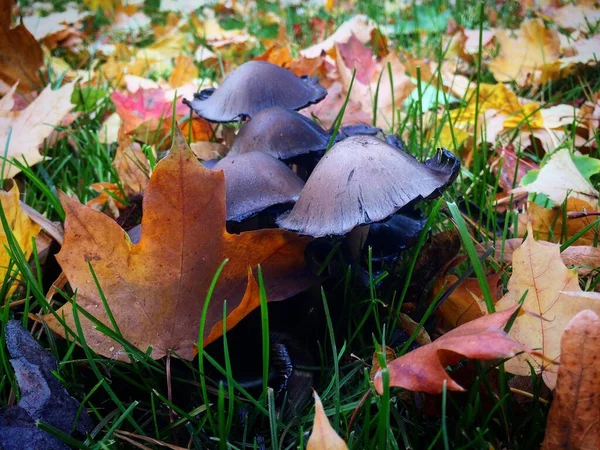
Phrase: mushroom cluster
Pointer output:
(360, 180)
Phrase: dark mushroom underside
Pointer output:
(362, 180)
(255, 181)
(252, 87)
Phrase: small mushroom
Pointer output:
(252, 87)
(255, 181)
(362, 180)
(281, 133)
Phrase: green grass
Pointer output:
(201, 404)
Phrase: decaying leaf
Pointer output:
(156, 289)
(184, 71)
(43, 398)
(323, 436)
(22, 227)
(423, 369)
(552, 297)
(575, 413)
(22, 132)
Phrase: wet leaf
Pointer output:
(156, 289)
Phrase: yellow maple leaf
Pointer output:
(22, 227)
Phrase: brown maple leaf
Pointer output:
(156, 289)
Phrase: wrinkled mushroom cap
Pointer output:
(252, 87)
(281, 133)
(362, 180)
(254, 181)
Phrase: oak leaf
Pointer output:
(575, 411)
(156, 289)
(423, 369)
(24, 131)
(323, 436)
(22, 227)
(552, 298)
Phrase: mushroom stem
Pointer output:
(356, 240)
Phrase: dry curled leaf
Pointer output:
(575, 412)
(323, 436)
(424, 370)
(156, 289)
(552, 297)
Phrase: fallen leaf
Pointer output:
(560, 179)
(575, 412)
(357, 55)
(529, 57)
(390, 355)
(583, 258)
(391, 93)
(552, 297)
(278, 54)
(26, 129)
(323, 436)
(184, 72)
(22, 227)
(42, 398)
(576, 17)
(21, 58)
(55, 27)
(156, 289)
(465, 303)
(423, 369)
(131, 164)
(549, 223)
(360, 26)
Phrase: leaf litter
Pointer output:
(108, 78)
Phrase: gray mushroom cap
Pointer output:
(362, 180)
(255, 181)
(281, 133)
(252, 87)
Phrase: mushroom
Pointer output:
(362, 180)
(255, 181)
(281, 133)
(284, 134)
(252, 87)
